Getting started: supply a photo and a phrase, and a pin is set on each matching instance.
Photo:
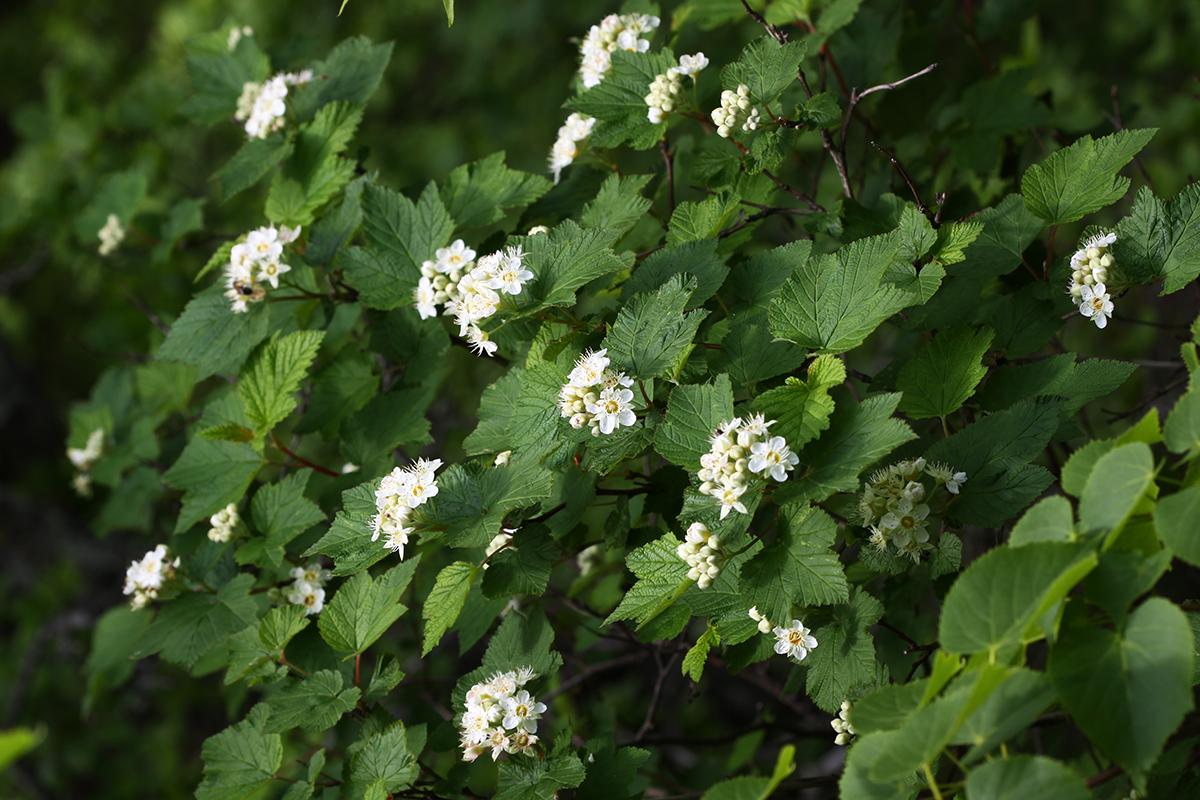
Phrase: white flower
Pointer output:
(236, 34)
(588, 368)
(309, 595)
(774, 457)
(455, 257)
(1095, 304)
(270, 270)
(84, 458)
(521, 711)
(223, 523)
(288, 235)
(479, 341)
(425, 298)
(613, 410)
(144, 579)
(764, 624)
(562, 154)
(691, 65)
(510, 276)
(577, 128)
(313, 574)
(737, 110)
(111, 235)
(730, 498)
(664, 93)
(498, 541)
(502, 458)
(794, 641)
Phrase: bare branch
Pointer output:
(777, 34)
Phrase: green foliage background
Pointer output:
(92, 88)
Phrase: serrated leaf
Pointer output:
(944, 372)
(619, 102)
(565, 259)
(210, 336)
(339, 389)
(1008, 229)
(662, 575)
(749, 353)
(314, 703)
(801, 409)
(362, 609)
(251, 164)
(370, 434)
(240, 759)
(445, 601)
(1161, 239)
(652, 336)
(953, 241)
(496, 407)
(471, 504)
(844, 659)
(193, 623)
(703, 220)
(385, 678)
(350, 73)
(1082, 178)
(766, 67)
(693, 413)
(535, 779)
(273, 374)
(348, 540)
(218, 75)
(820, 111)
(1181, 431)
(228, 432)
(212, 474)
(619, 205)
(523, 567)
(693, 662)
(696, 258)
(610, 772)
(281, 512)
(280, 624)
(798, 567)
(476, 194)
(385, 757)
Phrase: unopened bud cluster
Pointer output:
(144, 579)
(737, 110)
(308, 588)
(83, 459)
(577, 128)
(401, 491)
(261, 107)
(764, 624)
(1092, 271)
(841, 725)
(470, 290)
(111, 235)
(254, 262)
(596, 395)
(665, 92)
(703, 554)
(895, 497)
(499, 717)
(224, 523)
(740, 451)
(615, 32)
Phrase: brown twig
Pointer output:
(856, 97)
(924, 209)
(300, 459)
(777, 34)
(667, 157)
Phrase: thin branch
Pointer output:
(594, 670)
(141, 306)
(663, 670)
(1103, 777)
(839, 160)
(856, 97)
(27, 270)
(300, 459)
(667, 157)
(924, 209)
(777, 34)
(1119, 124)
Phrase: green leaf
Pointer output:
(749, 353)
(363, 609)
(109, 662)
(184, 217)
(315, 172)
(334, 230)
(856, 780)
(1007, 230)
(921, 738)
(1161, 239)
(1181, 431)
(445, 601)
(249, 660)
(1011, 708)
(281, 512)
(497, 405)
(801, 410)
(385, 757)
(209, 335)
(997, 600)
(522, 642)
(766, 67)
(760, 277)
(619, 102)
(402, 235)
(212, 474)
(610, 772)
(833, 302)
(652, 336)
(537, 779)
(1050, 520)
(351, 73)
(693, 413)
(565, 259)
(251, 164)
(697, 258)
(370, 434)
(1175, 520)
(703, 220)
(798, 567)
(953, 241)
(471, 503)
(1082, 178)
(1025, 778)
(1129, 690)
(218, 75)
(348, 540)
(820, 111)
(693, 662)
(1118, 482)
(16, 742)
(339, 389)
(523, 567)
(477, 194)
(662, 577)
(272, 376)
(279, 626)
(387, 674)
(194, 623)
(944, 372)
(844, 659)
(241, 759)
(315, 703)
(888, 707)
(228, 432)
(619, 205)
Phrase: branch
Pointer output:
(857, 96)
(777, 34)
(839, 158)
(300, 459)
(924, 209)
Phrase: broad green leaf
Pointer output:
(1117, 483)
(693, 662)
(921, 737)
(385, 757)
(1082, 178)
(619, 102)
(402, 235)
(315, 172)
(334, 230)
(844, 659)
(953, 241)
(370, 434)
(477, 194)
(766, 67)
(1007, 230)
(210, 336)
(241, 759)
(706, 219)
(697, 258)
(193, 623)
(757, 279)
(314, 703)
(833, 302)
(385, 678)
(1175, 519)
(661, 574)
(250, 164)
(996, 601)
(798, 567)
(16, 742)
(1181, 431)
(523, 567)
(109, 663)
(1161, 239)
(471, 503)
(749, 353)
(249, 660)
(228, 432)
(856, 779)
(211, 474)
(944, 372)
(218, 75)
(281, 512)
(363, 609)
(1079, 466)
(610, 772)
(339, 389)
(272, 376)
(619, 204)
(280, 624)
(652, 336)
(693, 413)
(522, 641)
(537, 779)
(820, 111)
(801, 409)
(351, 73)
(445, 601)
(348, 540)
(1012, 708)
(1025, 778)
(1050, 520)
(496, 407)
(888, 707)
(565, 259)
(1128, 690)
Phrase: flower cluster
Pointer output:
(577, 128)
(895, 496)
(257, 260)
(261, 106)
(842, 725)
(144, 579)
(702, 552)
(664, 94)
(111, 235)
(1092, 269)
(615, 32)
(398, 494)
(308, 587)
(737, 110)
(740, 449)
(596, 395)
(499, 717)
(83, 459)
(468, 290)
(224, 523)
